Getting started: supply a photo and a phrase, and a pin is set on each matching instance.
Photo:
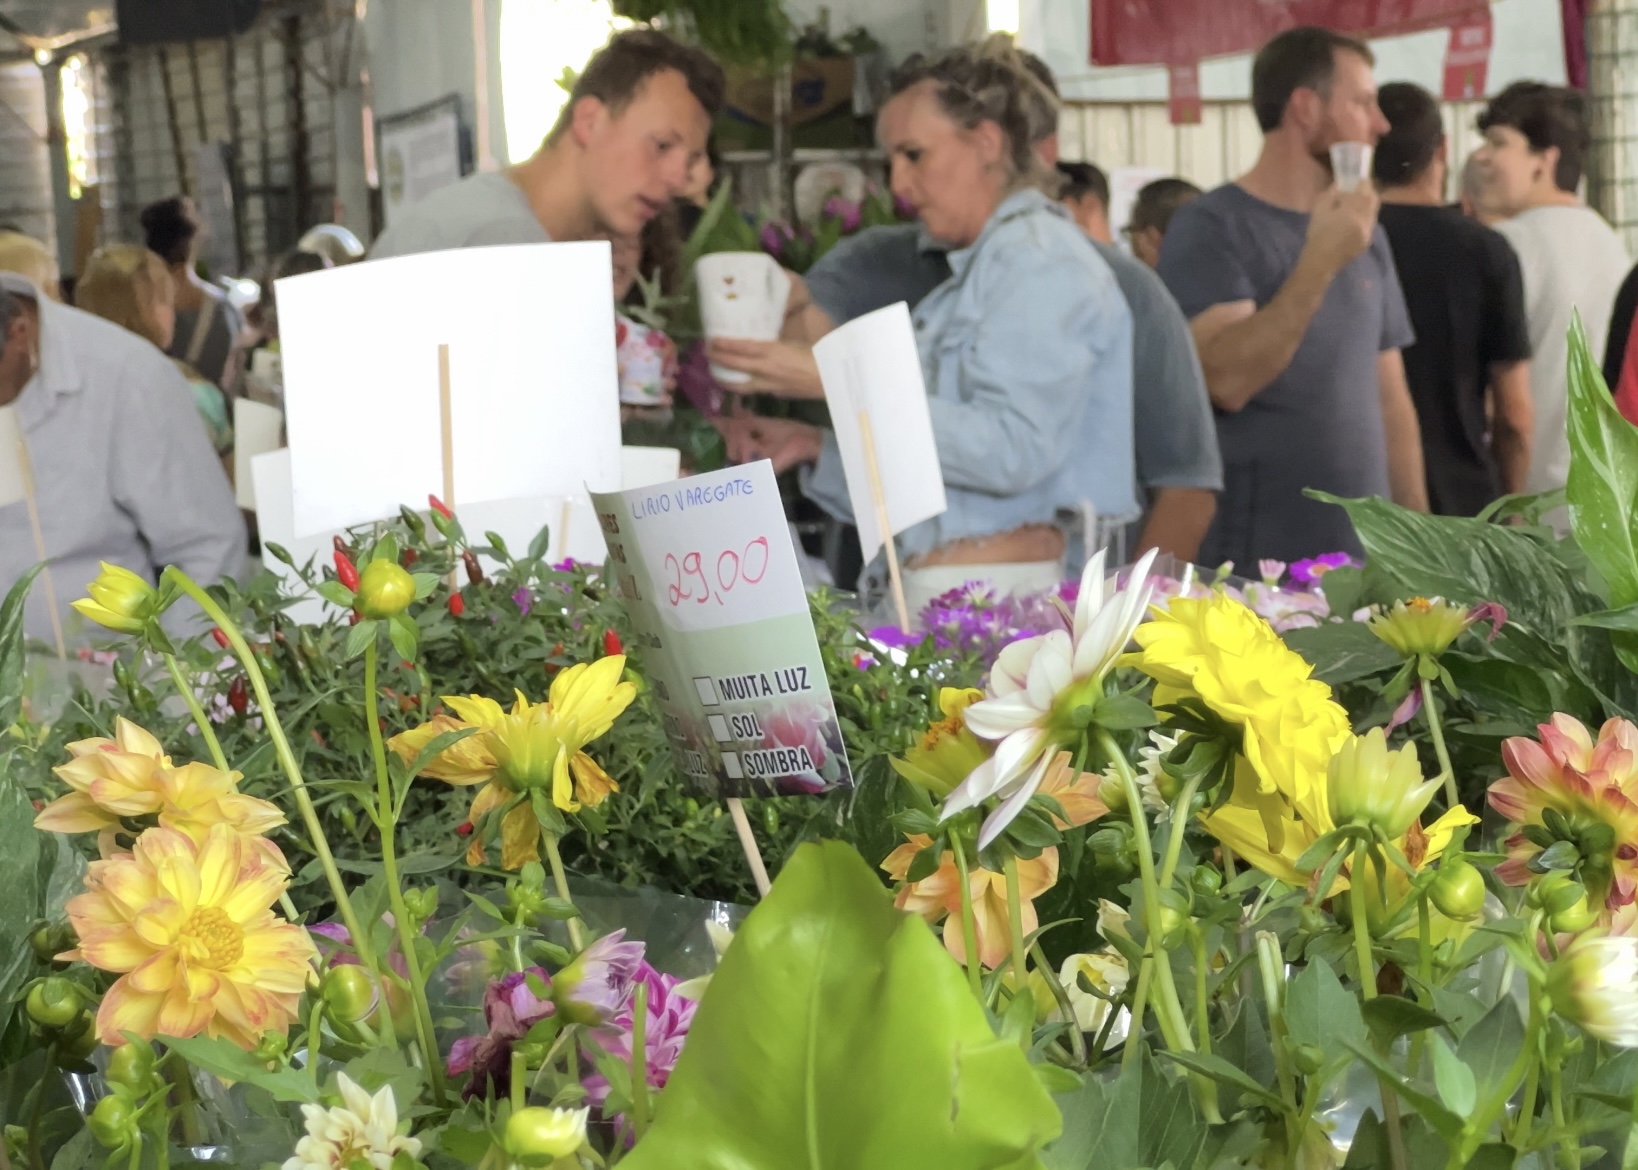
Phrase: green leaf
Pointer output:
(1318, 1011)
(233, 1063)
(361, 636)
(1391, 1016)
(335, 593)
(404, 635)
(1458, 1087)
(1490, 1047)
(1623, 619)
(426, 584)
(1603, 480)
(541, 543)
(1342, 652)
(20, 878)
(1447, 1124)
(11, 647)
(1124, 713)
(1100, 1124)
(1221, 1070)
(838, 1033)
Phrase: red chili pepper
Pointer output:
(339, 543)
(408, 558)
(346, 571)
(440, 507)
(353, 618)
(221, 638)
(464, 829)
(474, 571)
(457, 605)
(238, 698)
(611, 643)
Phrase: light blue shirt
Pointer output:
(1027, 355)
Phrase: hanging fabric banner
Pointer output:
(1467, 58)
(1183, 93)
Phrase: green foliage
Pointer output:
(743, 32)
(1141, 1117)
(838, 1033)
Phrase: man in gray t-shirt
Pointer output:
(1291, 292)
(1175, 445)
(630, 136)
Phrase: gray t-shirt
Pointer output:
(1319, 423)
(1175, 443)
(486, 208)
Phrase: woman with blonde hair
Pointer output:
(130, 286)
(1026, 351)
(26, 256)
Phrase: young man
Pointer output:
(1469, 370)
(123, 469)
(629, 141)
(1295, 306)
(1085, 193)
(1152, 213)
(1535, 147)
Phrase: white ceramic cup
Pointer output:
(1350, 164)
(742, 297)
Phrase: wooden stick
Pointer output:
(747, 842)
(27, 470)
(563, 529)
(867, 439)
(446, 428)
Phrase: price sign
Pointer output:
(721, 628)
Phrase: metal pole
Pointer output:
(62, 202)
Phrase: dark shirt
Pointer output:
(1319, 423)
(1621, 318)
(1465, 294)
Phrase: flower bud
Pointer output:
(385, 589)
(1420, 626)
(113, 1122)
(120, 600)
(1594, 984)
(1457, 891)
(131, 1066)
(537, 1136)
(1373, 787)
(54, 1002)
(349, 993)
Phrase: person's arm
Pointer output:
(1243, 348)
(1512, 422)
(1407, 478)
(786, 369)
(1177, 521)
(805, 321)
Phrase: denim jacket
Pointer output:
(1027, 355)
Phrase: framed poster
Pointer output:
(420, 151)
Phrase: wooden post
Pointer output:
(747, 842)
(446, 428)
(867, 439)
(27, 470)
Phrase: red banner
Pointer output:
(1467, 58)
(1167, 32)
(1183, 94)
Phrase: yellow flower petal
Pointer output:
(520, 837)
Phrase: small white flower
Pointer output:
(1028, 680)
(362, 1128)
(1595, 984)
(1149, 774)
(1113, 919)
(1108, 974)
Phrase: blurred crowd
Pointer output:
(1399, 333)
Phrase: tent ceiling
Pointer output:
(29, 25)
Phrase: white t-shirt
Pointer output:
(1572, 262)
(485, 208)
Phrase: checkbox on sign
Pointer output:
(719, 728)
(707, 691)
(730, 765)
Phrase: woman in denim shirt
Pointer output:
(1026, 350)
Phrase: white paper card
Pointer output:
(270, 475)
(707, 571)
(575, 534)
(645, 466)
(11, 458)
(257, 429)
(534, 387)
(871, 364)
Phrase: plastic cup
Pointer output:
(1350, 164)
(742, 296)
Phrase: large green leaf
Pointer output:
(20, 879)
(11, 648)
(1320, 1013)
(1603, 484)
(1142, 1118)
(839, 1035)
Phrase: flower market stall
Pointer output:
(1334, 869)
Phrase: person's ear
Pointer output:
(589, 115)
(1549, 162)
(992, 143)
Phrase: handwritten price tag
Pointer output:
(720, 619)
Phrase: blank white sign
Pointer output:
(534, 386)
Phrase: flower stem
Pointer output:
(1140, 1005)
(1077, 1042)
(1202, 1001)
(520, 1079)
(639, 1060)
(287, 761)
(560, 879)
(1362, 928)
(199, 718)
(1452, 797)
(969, 926)
(1180, 823)
(1015, 925)
(1174, 1027)
(388, 823)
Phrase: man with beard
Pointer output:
(1290, 288)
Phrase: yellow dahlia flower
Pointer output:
(947, 751)
(534, 746)
(189, 929)
(1218, 650)
(131, 776)
(121, 600)
(938, 897)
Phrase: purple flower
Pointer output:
(847, 211)
(510, 1009)
(697, 385)
(1271, 570)
(1310, 571)
(775, 235)
(1406, 711)
(1489, 611)
(523, 599)
(597, 984)
(666, 1021)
